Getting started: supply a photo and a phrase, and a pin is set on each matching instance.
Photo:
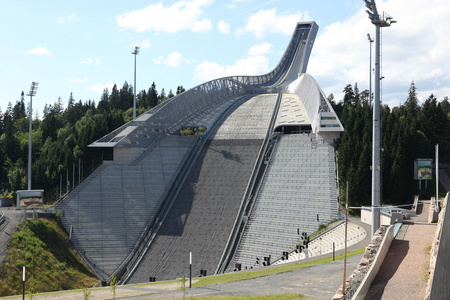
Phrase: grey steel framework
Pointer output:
(170, 115)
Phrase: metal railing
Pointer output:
(235, 233)
(172, 113)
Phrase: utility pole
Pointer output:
(370, 70)
(33, 90)
(379, 20)
(345, 237)
(135, 53)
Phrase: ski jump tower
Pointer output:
(119, 211)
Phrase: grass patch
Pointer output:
(204, 281)
(426, 267)
(51, 262)
(323, 228)
(198, 130)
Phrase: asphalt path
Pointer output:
(12, 218)
(317, 282)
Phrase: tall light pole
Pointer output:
(379, 20)
(135, 52)
(370, 70)
(33, 90)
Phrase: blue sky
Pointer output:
(85, 46)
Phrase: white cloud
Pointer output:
(77, 80)
(100, 87)
(268, 21)
(409, 52)
(224, 27)
(72, 17)
(142, 45)
(234, 5)
(91, 61)
(145, 44)
(260, 49)
(182, 15)
(39, 51)
(173, 60)
(256, 65)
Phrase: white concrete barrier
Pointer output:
(376, 264)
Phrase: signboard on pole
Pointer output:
(423, 169)
(30, 198)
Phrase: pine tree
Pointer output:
(19, 108)
(114, 98)
(126, 96)
(349, 95)
(180, 89)
(162, 95)
(152, 96)
(71, 102)
(103, 104)
(412, 101)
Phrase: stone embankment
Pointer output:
(354, 280)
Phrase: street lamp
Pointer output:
(135, 52)
(379, 20)
(370, 70)
(33, 90)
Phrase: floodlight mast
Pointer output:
(135, 52)
(33, 90)
(379, 21)
(370, 70)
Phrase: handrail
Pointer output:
(249, 208)
(233, 237)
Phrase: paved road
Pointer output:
(318, 282)
(12, 217)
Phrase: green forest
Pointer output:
(408, 131)
(60, 138)
(61, 157)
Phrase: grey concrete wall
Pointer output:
(440, 287)
(375, 267)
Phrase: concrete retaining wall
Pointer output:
(438, 287)
(358, 283)
(375, 267)
(6, 202)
